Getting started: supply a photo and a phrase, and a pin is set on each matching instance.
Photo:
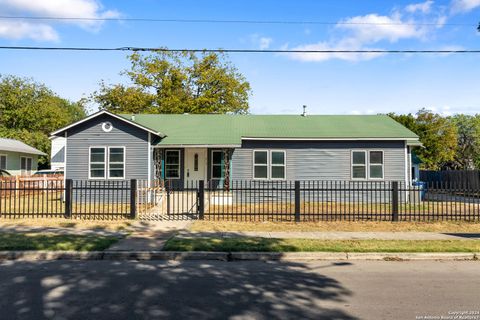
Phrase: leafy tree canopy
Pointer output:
(437, 134)
(467, 155)
(29, 112)
(168, 82)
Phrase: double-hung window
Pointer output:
(217, 164)
(116, 162)
(172, 164)
(277, 165)
(370, 167)
(25, 165)
(260, 164)
(376, 165)
(98, 161)
(269, 164)
(359, 164)
(3, 162)
(107, 162)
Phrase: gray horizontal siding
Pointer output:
(278, 192)
(90, 133)
(315, 160)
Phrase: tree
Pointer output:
(168, 82)
(29, 112)
(437, 134)
(467, 154)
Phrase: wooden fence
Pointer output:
(469, 179)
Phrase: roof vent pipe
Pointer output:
(132, 117)
(304, 114)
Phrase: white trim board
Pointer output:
(330, 139)
(159, 134)
(167, 146)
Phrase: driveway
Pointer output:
(237, 290)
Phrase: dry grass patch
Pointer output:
(110, 225)
(365, 226)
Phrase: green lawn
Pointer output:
(313, 245)
(55, 242)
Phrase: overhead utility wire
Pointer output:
(137, 49)
(233, 21)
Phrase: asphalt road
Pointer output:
(238, 290)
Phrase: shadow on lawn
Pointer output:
(169, 290)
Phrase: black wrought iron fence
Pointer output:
(68, 198)
(341, 200)
(244, 200)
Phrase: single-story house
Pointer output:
(220, 148)
(17, 157)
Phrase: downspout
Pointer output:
(149, 159)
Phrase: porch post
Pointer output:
(226, 169)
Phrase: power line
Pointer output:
(221, 21)
(147, 49)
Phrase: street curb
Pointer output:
(226, 256)
(165, 255)
(288, 256)
(50, 255)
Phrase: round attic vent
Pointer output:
(107, 126)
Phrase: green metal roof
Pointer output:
(213, 129)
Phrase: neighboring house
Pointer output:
(17, 157)
(222, 148)
(57, 160)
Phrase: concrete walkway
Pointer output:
(337, 235)
(150, 235)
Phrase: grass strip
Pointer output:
(55, 242)
(251, 244)
(385, 226)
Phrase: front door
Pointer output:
(195, 165)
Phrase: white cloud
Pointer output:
(373, 28)
(90, 9)
(265, 43)
(366, 32)
(444, 110)
(423, 7)
(347, 44)
(361, 33)
(363, 112)
(18, 30)
(463, 6)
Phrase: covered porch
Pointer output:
(183, 167)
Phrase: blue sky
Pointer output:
(327, 84)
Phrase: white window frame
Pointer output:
(211, 164)
(105, 162)
(253, 162)
(271, 164)
(358, 165)
(109, 162)
(6, 159)
(376, 164)
(28, 172)
(179, 164)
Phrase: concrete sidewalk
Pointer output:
(150, 235)
(336, 235)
